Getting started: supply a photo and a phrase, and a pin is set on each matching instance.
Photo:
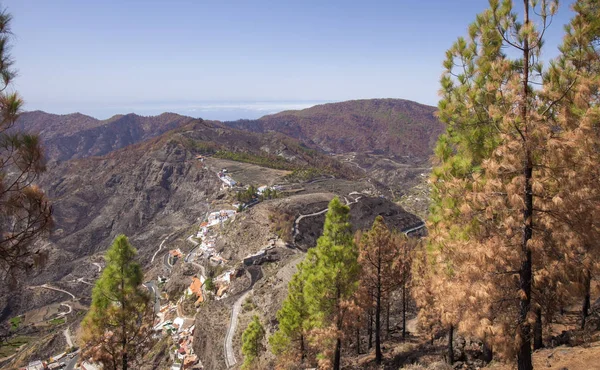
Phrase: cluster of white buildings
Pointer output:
(227, 180)
(262, 189)
(181, 331)
(207, 245)
(214, 219)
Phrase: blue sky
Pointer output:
(232, 59)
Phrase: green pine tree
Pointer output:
(117, 329)
(332, 277)
(252, 346)
(290, 338)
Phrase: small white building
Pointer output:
(35, 365)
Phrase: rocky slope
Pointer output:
(252, 231)
(146, 191)
(78, 136)
(141, 176)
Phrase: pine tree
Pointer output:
(573, 78)
(289, 341)
(380, 258)
(25, 212)
(492, 232)
(116, 331)
(331, 280)
(252, 346)
(467, 92)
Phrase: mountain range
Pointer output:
(147, 177)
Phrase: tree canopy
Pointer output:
(116, 331)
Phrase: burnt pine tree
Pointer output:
(381, 270)
(25, 212)
(117, 330)
(493, 231)
(573, 76)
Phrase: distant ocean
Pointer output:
(211, 110)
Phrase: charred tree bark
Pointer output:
(338, 344)
(378, 355)
(302, 351)
(370, 328)
(537, 330)
(524, 361)
(403, 310)
(337, 356)
(488, 354)
(587, 281)
(358, 337)
(451, 345)
(387, 320)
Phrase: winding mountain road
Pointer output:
(255, 275)
(68, 312)
(159, 248)
(67, 335)
(229, 354)
(415, 228)
(296, 231)
(196, 245)
(46, 286)
(297, 222)
(167, 263)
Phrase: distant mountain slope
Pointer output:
(78, 136)
(151, 188)
(394, 127)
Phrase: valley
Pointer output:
(222, 215)
(159, 190)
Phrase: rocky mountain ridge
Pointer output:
(396, 128)
(76, 135)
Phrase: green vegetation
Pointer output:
(9, 347)
(247, 195)
(269, 161)
(325, 281)
(119, 305)
(252, 346)
(209, 284)
(202, 147)
(57, 321)
(305, 174)
(515, 194)
(290, 338)
(248, 304)
(268, 194)
(15, 322)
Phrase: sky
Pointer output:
(226, 59)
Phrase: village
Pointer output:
(170, 318)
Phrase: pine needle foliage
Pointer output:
(252, 346)
(312, 318)
(382, 258)
(503, 248)
(116, 331)
(332, 279)
(25, 212)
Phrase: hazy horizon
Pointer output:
(210, 110)
(101, 58)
